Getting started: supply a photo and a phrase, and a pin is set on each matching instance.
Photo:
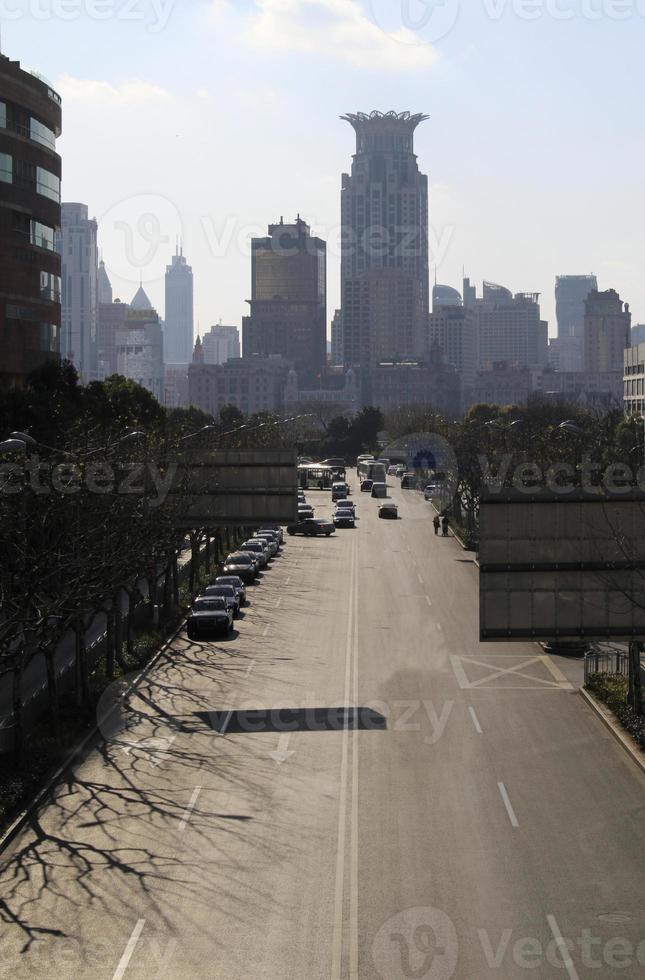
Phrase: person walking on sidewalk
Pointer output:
(445, 524)
(436, 524)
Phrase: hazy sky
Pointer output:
(212, 118)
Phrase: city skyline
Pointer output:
(476, 166)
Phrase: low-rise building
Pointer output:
(253, 384)
(634, 380)
(339, 391)
(139, 350)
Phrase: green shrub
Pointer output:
(612, 690)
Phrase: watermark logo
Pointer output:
(420, 943)
(138, 234)
(154, 15)
(431, 471)
(415, 22)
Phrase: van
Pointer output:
(408, 481)
(379, 489)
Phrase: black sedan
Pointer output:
(209, 616)
(237, 584)
(344, 517)
(243, 565)
(312, 527)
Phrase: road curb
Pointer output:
(14, 828)
(624, 738)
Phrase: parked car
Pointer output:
(431, 491)
(269, 540)
(344, 517)
(226, 592)
(209, 615)
(388, 510)
(259, 549)
(243, 565)
(366, 486)
(305, 511)
(379, 490)
(312, 527)
(274, 527)
(237, 584)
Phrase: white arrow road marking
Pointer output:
(282, 753)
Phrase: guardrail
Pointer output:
(606, 662)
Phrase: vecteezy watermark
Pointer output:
(415, 21)
(138, 233)
(565, 10)
(429, 462)
(144, 480)
(153, 14)
(593, 952)
(561, 478)
(418, 942)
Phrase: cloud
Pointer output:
(333, 29)
(134, 92)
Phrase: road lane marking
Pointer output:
(222, 730)
(353, 894)
(189, 809)
(250, 668)
(439, 627)
(512, 666)
(478, 727)
(266, 630)
(429, 601)
(278, 603)
(569, 965)
(420, 579)
(337, 941)
(509, 806)
(124, 962)
(288, 580)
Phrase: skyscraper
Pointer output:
(220, 344)
(570, 295)
(289, 298)
(179, 317)
(104, 284)
(508, 328)
(384, 260)
(337, 347)
(30, 216)
(77, 245)
(607, 329)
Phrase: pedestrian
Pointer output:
(436, 523)
(445, 524)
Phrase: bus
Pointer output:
(317, 476)
(370, 469)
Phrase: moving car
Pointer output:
(366, 486)
(400, 470)
(226, 592)
(408, 481)
(237, 584)
(379, 489)
(259, 549)
(339, 491)
(209, 615)
(312, 527)
(305, 511)
(346, 505)
(431, 491)
(391, 470)
(344, 517)
(388, 510)
(243, 565)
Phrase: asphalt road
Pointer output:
(350, 787)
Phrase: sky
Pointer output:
(209, 119)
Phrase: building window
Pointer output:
(3, 115)
(49, 337)
(42, 134)
(48, 184)
(50, 287)
(42, 236)
(6, 168)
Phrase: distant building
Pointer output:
(384, 259)
(453, 329)
(566, 353)
(176, 394)
(501, 384)
(220, 344)
(341, 392)
(638, 334)
(112, 317)
(139, 348)
(508, 328)
(288, 305)
(607, 331)
(337, 353)
(253, 384)
(403, 384)
(77, 244)
(634, 380)
(596, 391)
(571, 293)
(104, 285)
(179, 313)
(445, 296)
(30, 218)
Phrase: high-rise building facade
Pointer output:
(77, 244)
(104, 284)
(452, 329)
(139, 350)
(384, 260)
(571, 293)
(112, 318)
(445, 296)
(179, 316)
(509, 328)
(220, 344)
(30, 216)
(288, 315)
(337, 348)
(607, 331)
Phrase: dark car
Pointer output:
(237, 584)
(366, 486)
(226, 592)
(243, 564)
(388, 511)
(274, 527)
(408, 481)
(209, 616)
(258, 550)
(344, 517)
(270, 535)
(312, 527)
(267, 538)
(305, 511)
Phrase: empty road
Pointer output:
(352, 787)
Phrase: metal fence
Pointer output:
(606, 662)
